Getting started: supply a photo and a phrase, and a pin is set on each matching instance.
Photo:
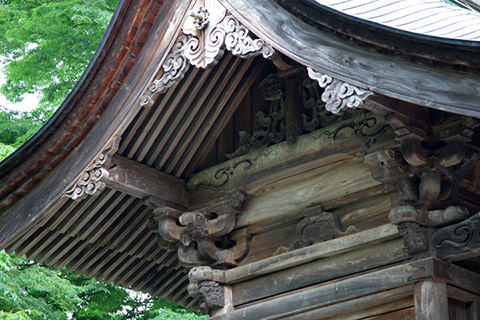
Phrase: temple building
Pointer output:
(267, 159)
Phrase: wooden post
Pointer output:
(431, 301)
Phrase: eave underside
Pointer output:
(112, 235)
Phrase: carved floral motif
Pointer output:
(338, 95)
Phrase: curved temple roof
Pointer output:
(434, 18)
(118, 110)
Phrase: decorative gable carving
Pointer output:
(208, 31)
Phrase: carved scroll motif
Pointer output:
(338, 95)
(208, 31)
(206, 45)
(464, 235)
(269, 126)
(90, 181)
(413, 224)
(314, 114)
(319, 225)
(174, 68)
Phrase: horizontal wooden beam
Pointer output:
(317, 297)
(311, 253)
(141, 181)
(326, 269)
(284, 307)
(264, 166)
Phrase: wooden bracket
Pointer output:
(207, 284)
(436, 158)
(91, 180)
(204, 236)
(415, 225)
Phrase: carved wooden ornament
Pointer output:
(205, 284)
(90, 181)
(338, 95)
(201, 237)
(208, 31)
(458, 238)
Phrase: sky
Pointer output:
(29, 102)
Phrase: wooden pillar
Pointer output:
(431, 301)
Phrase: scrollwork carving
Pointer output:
(269, 126)
(174, 68)
(209, 30)
(413, 224)
(238, 41)
(338, 95)
(464, 235)
(90, 181)
(210, 34)
(223, 175)
(319, 225)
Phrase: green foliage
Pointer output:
(29, 291)
(17, 127)
(172, 311)
(5, 151)
(46, 44)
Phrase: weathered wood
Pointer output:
(458, 241)
(405, 314)
(311, 253)
(468, 305)
(332, 182)
(269, 164)
(110, 95)
(456, 276)
(141, 181)
(359, 308)
(336, 57)
(431, 301)
(316, 297)
(325, 269)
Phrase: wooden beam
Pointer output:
(311, 253)
(316, 297)
(326, 269)
(265, 166)
(431, 301)
(141, 181)
(367, 306)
